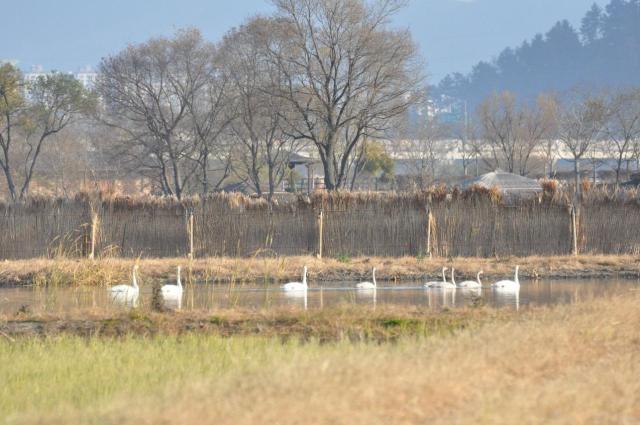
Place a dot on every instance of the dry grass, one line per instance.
(65, 271)
(575, 364)
(474, 222)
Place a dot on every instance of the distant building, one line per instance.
(449, 110)
(86, 76)
(36, 72)
(510, 185)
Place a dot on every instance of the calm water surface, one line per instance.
(210, 297)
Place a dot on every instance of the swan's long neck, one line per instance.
(179, 280)
(516, 278)
(134, 280)
(304, 276)
(478, 278)
(374, 278)
(453, 278)
(444, 276)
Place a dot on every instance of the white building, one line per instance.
(36, 72)
(86, 76)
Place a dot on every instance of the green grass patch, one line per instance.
(57, 374)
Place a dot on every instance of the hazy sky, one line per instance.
(453, 34)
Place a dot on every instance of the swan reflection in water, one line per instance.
(124, 299)
(368, 294)
(173, 303)
(297, 295)
(508, 296)
(471, 293)
(441, 297)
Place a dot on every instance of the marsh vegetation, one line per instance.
(573, 363)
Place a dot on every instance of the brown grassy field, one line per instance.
(63, 271)
(572, 364)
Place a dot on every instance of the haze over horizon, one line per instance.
(453, 34)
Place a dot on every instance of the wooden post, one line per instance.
(574, 231)
(94, 235)
(320, 233)
(429, 221)
(191, 255)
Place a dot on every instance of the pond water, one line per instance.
(212, 297)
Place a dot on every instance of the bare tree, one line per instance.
(425, 148)
(548, 146)
(461, 131)
(622, 126)
(514, 132)
(210, 117)
(148, 90)
(53, 102)
(11, 105)
(538, 126)
(476, 146)
(549, 151)
(581, 118)
(346, 74)
(500, 120)
(263, 148)
(72, 164)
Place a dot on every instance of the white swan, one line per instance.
(173, 292)
(508, 284)
(433, 284)
(126, 294)
(297, 286)
(368, 285)
(472, 284)
(442, 285)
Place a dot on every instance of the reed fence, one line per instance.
(326, 225)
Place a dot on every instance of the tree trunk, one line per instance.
(271, 182)
(576, 169)
(330, 172)
(205, 176)
(329, 175)
(27, 179)
(464, 157)
(176, 181)
(10, 184)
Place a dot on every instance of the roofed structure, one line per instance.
(509, 184)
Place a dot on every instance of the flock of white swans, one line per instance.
(128, 294)
(443, 284)
(172, 293)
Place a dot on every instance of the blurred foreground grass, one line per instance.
(577, 364)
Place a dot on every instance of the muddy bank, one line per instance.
(275, 270)
(329, 325)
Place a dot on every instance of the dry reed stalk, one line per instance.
(475, 222)
(110, 271)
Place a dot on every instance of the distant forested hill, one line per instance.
(603, 52)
